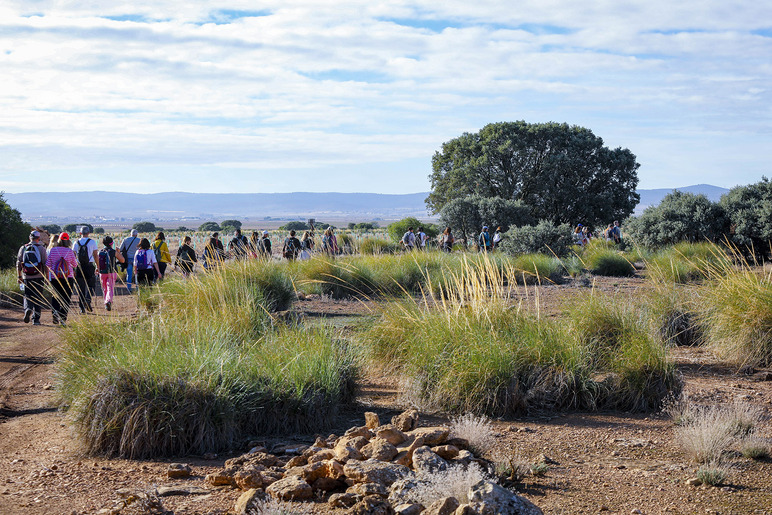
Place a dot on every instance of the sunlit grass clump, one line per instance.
(370, 246)
(685, 262)
(603, 258)
(202, 371)
(736, 311)
(475, 351)
(537, 269)
(672, 312)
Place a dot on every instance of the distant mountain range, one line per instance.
(124, 207)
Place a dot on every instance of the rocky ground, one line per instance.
(598, 462)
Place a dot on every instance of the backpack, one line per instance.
(485, 239)
(326, 243)
(31, 260)
(106, 261)
(83, 254)
(157, 249)
(62, 268)
(406, 238)
(141, 258)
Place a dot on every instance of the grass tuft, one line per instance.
(477, 430)
(712, 474)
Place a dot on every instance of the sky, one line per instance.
(356, 96)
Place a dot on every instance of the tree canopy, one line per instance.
(562, 173)
(145, 227)
(15, 233)
(398, 228)
(749, 210)
(209, 227)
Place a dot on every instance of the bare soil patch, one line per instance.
(613, 462)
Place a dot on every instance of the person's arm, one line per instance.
(19, 265)
(119, 257)
(95, 252)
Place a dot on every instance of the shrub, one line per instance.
(377, 246)
(397, 229)
(209, 227)
(478, 431)
(749, 210)
(713, 474)
(678, 217)
(672, 313)
(754, 448)
(543, 237)
(707, 433)
(15, 234)
(735, 308)
(608, 262)
(145, 227)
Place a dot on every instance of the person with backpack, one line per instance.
(162, 255)
(239, 246)
(186, 257)
(61, 264)
(408, 239)
(128, 249)
(497, 237)
(330, 242)
(306, 246)
(264, 247)
(31, 271)
(447, 240)
(254, 244)
(421, 238)
(85, 277)
(616, 233)
(108, 270)
(291, 247)
(214, 252)
(484, 241)
(145, 264)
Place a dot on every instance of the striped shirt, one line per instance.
(56, 254)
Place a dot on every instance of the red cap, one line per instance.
(64, 236)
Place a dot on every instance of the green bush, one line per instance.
(678, 217)
(537, 268)
(15, 234)
(685, 262)
(397, 229)
(543, 237)
(673, 316)
(600, 259)
(749, 210)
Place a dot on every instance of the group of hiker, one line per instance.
(583, 234)
(486, 242)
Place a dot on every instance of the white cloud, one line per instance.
(310, 85)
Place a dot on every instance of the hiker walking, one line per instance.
(31, 273)
(408, 239)
(61, 265)
(497, 236)
(306, 246)
(616, 233)
(421, 238)
(162, 255)
(239, 246)
(128, 249)
(580, 238)
(264, 246)
(484, 240)
(291, 247)
(108, 270)
(186, 257)
(214, 252)
(447, 240)
(85, 276)
(254, 244)
(145, 264)
(330, 242)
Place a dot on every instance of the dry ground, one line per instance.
(611, 462)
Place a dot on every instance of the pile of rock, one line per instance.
(368, 470)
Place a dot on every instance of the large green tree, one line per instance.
(563, 173)
(15, 233)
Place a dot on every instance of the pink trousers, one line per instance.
(108, 285)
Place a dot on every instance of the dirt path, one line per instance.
(609, 462)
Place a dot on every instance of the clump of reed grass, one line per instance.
(8, 281)
(377, 246)
(754, 448)
(672, 311)
(686, 261)
(735, 308)
(452, 482)
(602, 258)
(536, 269)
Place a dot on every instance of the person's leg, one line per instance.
(34, 299)
(129, 274)
(111, 278)
(91, 279)
(69, 286)
(162, 268)
(57, 298)
(81, 288)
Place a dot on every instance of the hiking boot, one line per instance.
(36, 322)
(109, 306)
(89, 308)
(82, 310)
(27, 316)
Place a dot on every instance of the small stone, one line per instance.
(693, 482)
(178, 470)
(406, 421)
(379, 449)
(635, 511)
(289, 489)
(323, 455)
(209, 456)
(391, 434)
(297, 461)
(346, 500)
(221, 478)
(321, 442)
(446, 506)
(244, 502)
(374, 471)
(365, 489)
(372, 420)
(543, 458)
(346, 453)
(446, 452)
(362, 431)
(496, 499)
(166, 491)
(408, 509)
(427, 462)
(465, 509)
(432, 435)
(372, 505)
(250, 476)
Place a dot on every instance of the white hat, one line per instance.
(265, 233)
